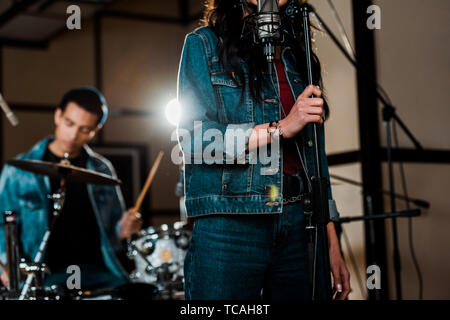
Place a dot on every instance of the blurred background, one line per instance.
(130, 50)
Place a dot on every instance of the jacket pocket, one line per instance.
(236, 179)
(202, 180)
(234, 105)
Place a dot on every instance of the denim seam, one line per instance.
(250, 106)
(227, 196)
(249, 178)
(208, 50)
(273, 213)
(220, 103)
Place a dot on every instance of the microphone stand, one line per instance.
(418, 202)
(320, 216)
(389, 114)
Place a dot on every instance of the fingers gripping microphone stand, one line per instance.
(318, 220)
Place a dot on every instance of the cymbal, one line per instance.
(61, 170)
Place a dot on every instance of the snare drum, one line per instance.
(159, 255)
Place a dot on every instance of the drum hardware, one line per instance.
(66, 173)
(37, 269)
(12, 253)
(46, 293)
(142, 253)
(64, 170)
(131, 291)
(159, 258)
(58, 203)
(160, 250)
(5, 294)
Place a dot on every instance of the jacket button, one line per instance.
(224, 186)
(296, 80)
(310, 143)
(313, 177)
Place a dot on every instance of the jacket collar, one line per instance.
(38, 150)
(287, 58)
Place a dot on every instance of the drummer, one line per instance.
(93, 221)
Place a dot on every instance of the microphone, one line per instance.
(9, 114)
(268, 27)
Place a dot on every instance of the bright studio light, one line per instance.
(173, 112)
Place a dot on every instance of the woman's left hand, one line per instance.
(341, 276)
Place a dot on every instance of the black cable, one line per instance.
(410, 230)
(349, 49)
(354, 264)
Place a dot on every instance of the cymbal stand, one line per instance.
(58, 203)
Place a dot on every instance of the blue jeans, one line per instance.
(248, 257)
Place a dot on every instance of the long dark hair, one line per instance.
(225, 18)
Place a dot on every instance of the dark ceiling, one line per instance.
(36, 22)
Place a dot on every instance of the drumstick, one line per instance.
(144, 190)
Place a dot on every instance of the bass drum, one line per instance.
(159, 255)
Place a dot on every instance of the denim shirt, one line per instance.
(26, 194)
(213, 110)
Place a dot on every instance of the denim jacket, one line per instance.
(26, 194)
(213, 110)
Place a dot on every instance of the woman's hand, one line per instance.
(4, 275)
(341, 276)
(304, 111)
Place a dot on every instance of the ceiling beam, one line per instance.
(17, 8)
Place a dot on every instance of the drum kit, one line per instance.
(158, 252)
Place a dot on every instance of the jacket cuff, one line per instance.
(3, 261)
(235, 148)
(334, 214)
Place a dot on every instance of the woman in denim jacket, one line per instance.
(249, 238)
